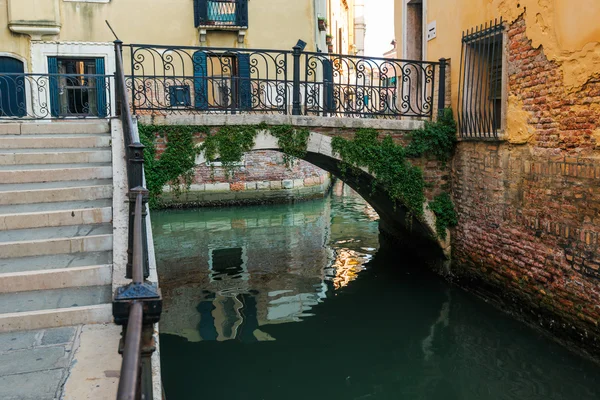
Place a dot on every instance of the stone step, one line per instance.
(28, 193)
(55, 156)
(55, 240)
(32, 173)
(72, 306)
(55, 261)
(94, 275)
(54, 141)
(93, 314)
(53, 127)
(39, 300)
(41, 215)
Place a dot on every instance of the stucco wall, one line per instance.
(273, 24)
(568, 33)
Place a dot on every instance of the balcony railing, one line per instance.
(182, 80)
(221, 13)
(42, 96)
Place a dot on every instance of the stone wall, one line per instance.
(529, 205)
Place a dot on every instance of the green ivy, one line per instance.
(445, 215)
(435, 138)
(228, 145)
(386, 161)
(175, 167)
(292, 142)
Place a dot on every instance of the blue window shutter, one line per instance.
(200, 80)
(12, 89)
(328, 86)
(101, 88)
(200, 12)
(54, 97)
(241, 12)
(245, 83)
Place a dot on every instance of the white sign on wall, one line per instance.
(431, 30)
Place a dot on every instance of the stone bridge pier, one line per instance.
(395, 221)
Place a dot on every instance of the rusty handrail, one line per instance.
(138, 305)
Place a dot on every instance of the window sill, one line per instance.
(209, 27)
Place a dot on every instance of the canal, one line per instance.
(303, 302)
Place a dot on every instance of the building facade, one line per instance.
(526, 96)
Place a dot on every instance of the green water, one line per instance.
(301, 302)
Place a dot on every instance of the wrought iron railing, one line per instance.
(138, 305)
(41, 96)
(221, 13)
(180, 80)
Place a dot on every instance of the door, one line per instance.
(77, 87)
(12, 88)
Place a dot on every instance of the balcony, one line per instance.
(221, 14)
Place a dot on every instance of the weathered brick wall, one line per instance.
(529, 213)
(259, 166)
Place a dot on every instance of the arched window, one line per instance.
(12, 88)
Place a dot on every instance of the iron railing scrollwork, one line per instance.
(28, 96)
(138, 305)
(170, 80)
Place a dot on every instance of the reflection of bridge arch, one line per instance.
(394, 218)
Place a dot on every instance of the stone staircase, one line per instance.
(56, 227)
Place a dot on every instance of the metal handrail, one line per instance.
(136, 306)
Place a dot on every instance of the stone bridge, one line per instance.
(395, 220)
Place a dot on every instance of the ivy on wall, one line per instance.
(435, 139)
(445, 215)
(384, 159)
(175, 166)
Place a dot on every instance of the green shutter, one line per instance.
(245, 83)
(54, 96)
(200, 80)
(101, 88)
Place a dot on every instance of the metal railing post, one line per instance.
(442, 87)
(118, 88)
(298, 48)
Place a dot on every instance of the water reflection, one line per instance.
(373, 324)
(225, 273)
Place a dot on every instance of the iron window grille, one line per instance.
(221, 13)
(481, 81)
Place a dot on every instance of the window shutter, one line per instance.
(200, 81)
(101, 88)
(54, 97)
(200, 12)
(245, 82)
(241, 12)
(329, 105)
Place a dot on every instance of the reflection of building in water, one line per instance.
(225, 273)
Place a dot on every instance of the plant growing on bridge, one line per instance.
(386, 161)
(435, 138)
(445, 215)
(175, 166)
(292, 142)
(228, 145)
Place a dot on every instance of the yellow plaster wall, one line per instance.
(273, 24)
(11, 43)
(568, 31)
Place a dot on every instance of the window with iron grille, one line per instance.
(481, 93)
(221, 13)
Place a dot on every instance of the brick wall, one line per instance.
(530, 213)
(259, 166)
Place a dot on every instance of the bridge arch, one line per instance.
(395, 220)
